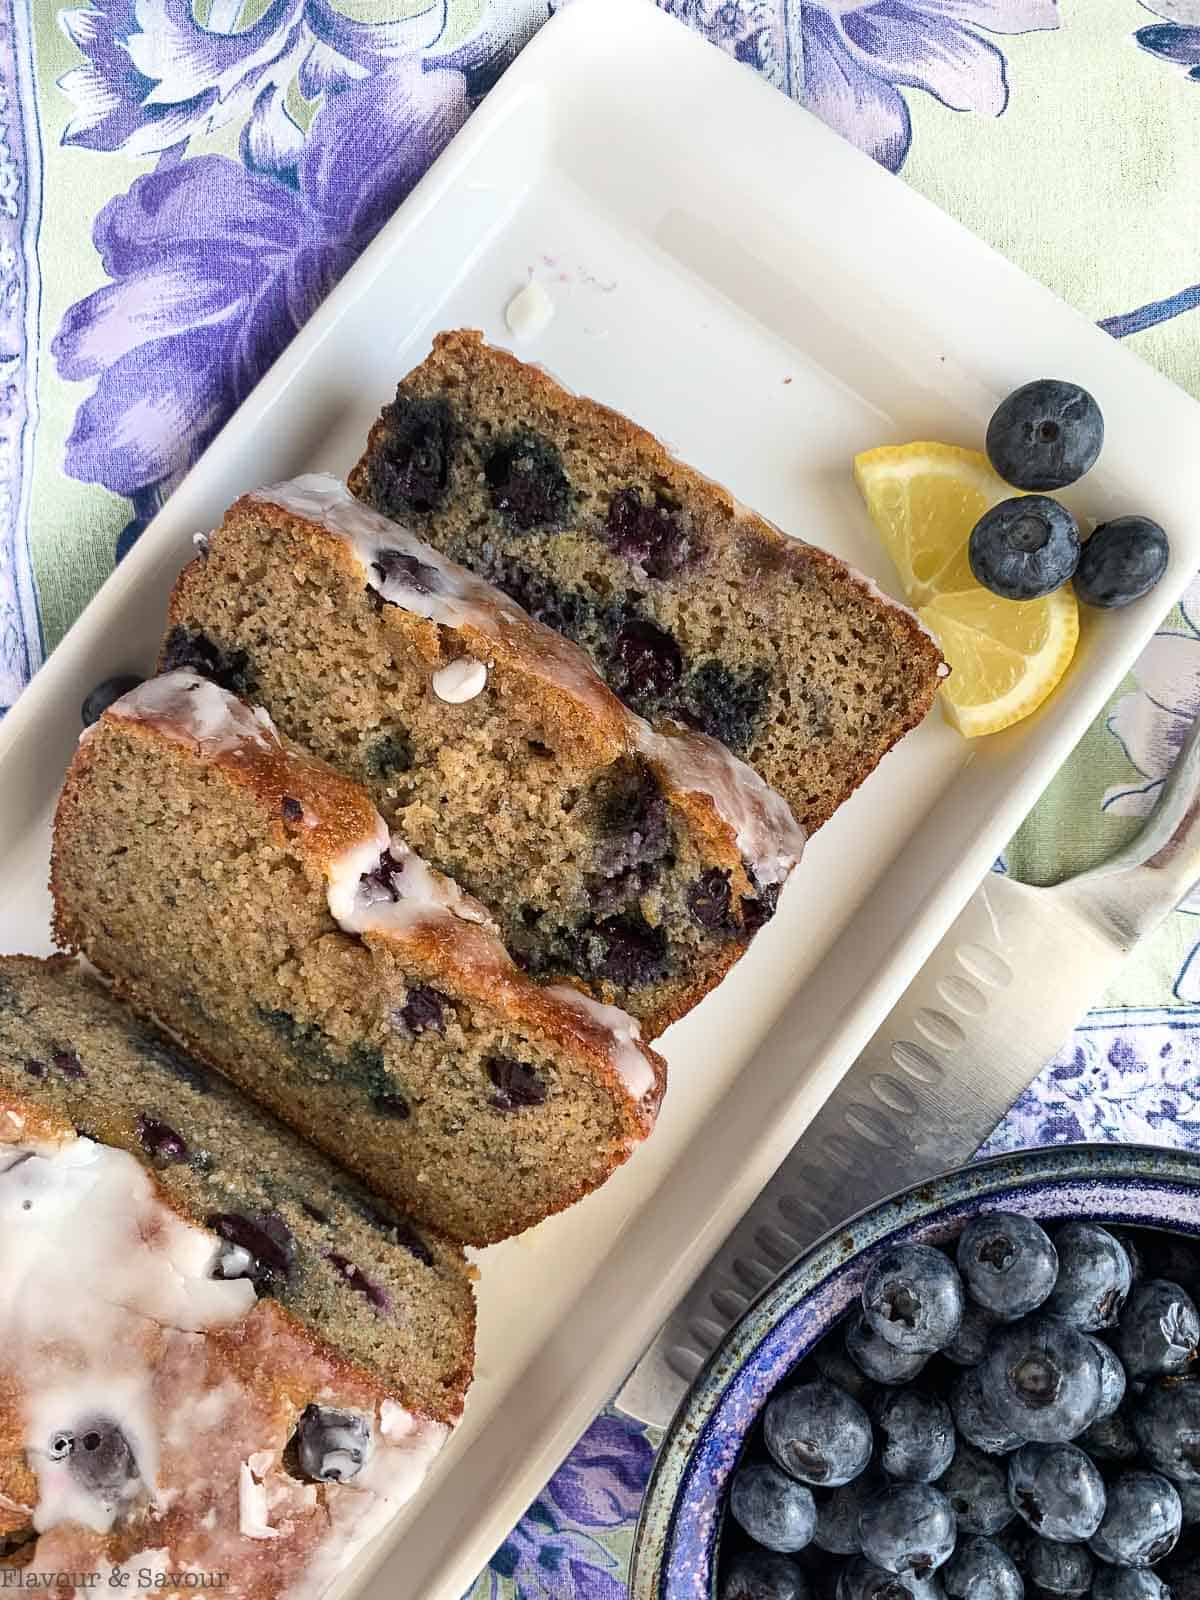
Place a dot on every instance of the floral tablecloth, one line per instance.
(182, 181)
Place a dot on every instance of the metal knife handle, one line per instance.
(1137, 887)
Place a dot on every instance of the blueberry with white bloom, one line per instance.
(976, 1485)
(908, 1528)
(1009, 1263)
(980, 1570)
(876, 1358)
(863, 1580)
(1141, 1523)
(764, 1575)
(913, 1298)
(818, 1434)
(1057, 1489)
(1060, 1569)
(969, 1345)
(1166, 1423)
(1112, 1379)
(776, 1511)
(1111, 1438)
(1158, 1334)
(839, 1511)
(978, 1420)
(1043, 1378)
(916, 1434)
(1094, 1276)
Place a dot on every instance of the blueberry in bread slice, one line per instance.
(634, 861)
(215, 1345)
(252, 899)
(690, 605)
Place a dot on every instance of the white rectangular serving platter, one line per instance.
(744, 283)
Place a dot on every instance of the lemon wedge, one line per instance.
(1006, 656)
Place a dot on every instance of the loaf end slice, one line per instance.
(690, 605)
(217, 1350)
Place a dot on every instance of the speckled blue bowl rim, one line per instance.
(676, 1548)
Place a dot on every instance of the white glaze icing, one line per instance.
(460, 681)
(204, 714)
(628, 1060)
(90, 1255)
(769, 837)
(252, 1505)
(529, 311)
(418, 893)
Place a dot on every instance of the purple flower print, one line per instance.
(550, 1555)
(1176, 40)
(152, 75)
(214, 268)
(857, 58)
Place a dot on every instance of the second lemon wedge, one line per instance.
(1006, 656)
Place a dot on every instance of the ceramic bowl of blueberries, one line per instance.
(985, 1388)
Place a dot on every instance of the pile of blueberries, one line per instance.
(1044, 436)
(1022, 1417)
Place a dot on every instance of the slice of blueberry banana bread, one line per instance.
(251, 898)
(691, 606)
(217, 1350)
(638, 862)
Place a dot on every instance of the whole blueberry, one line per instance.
(1122, 561)
(1111, 1438)
(913, 1298)
(1129, 1583)
(969, 1345)
(1024, 548)
(908, 1528)
(980, 1570)
(763, 1575)
(1057, 1490)
(1060, 1568)
(776, 1511)
(1141, 1523)
(976, 1486)
(916, 1433)
(1166, 1423)
(876, 1358)
(830, 1360)
(818, 1434)
(1112, 1379)
(106, 694)
(1094, 1276)
(1008, 1263)
(861, 1579)
(1043, 1378)
(102, 1460)
(331, 1444)
(838, 1513)
(1158, 1334)
(977, 1419)
(1045, 434)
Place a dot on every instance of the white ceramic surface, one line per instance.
(735, 277)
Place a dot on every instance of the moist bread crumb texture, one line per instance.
(199, 862)
(216, 1348)
(690, 606)
(489, 744)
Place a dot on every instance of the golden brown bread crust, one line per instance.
(591, 729)
(743, 546)
(337, 814)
